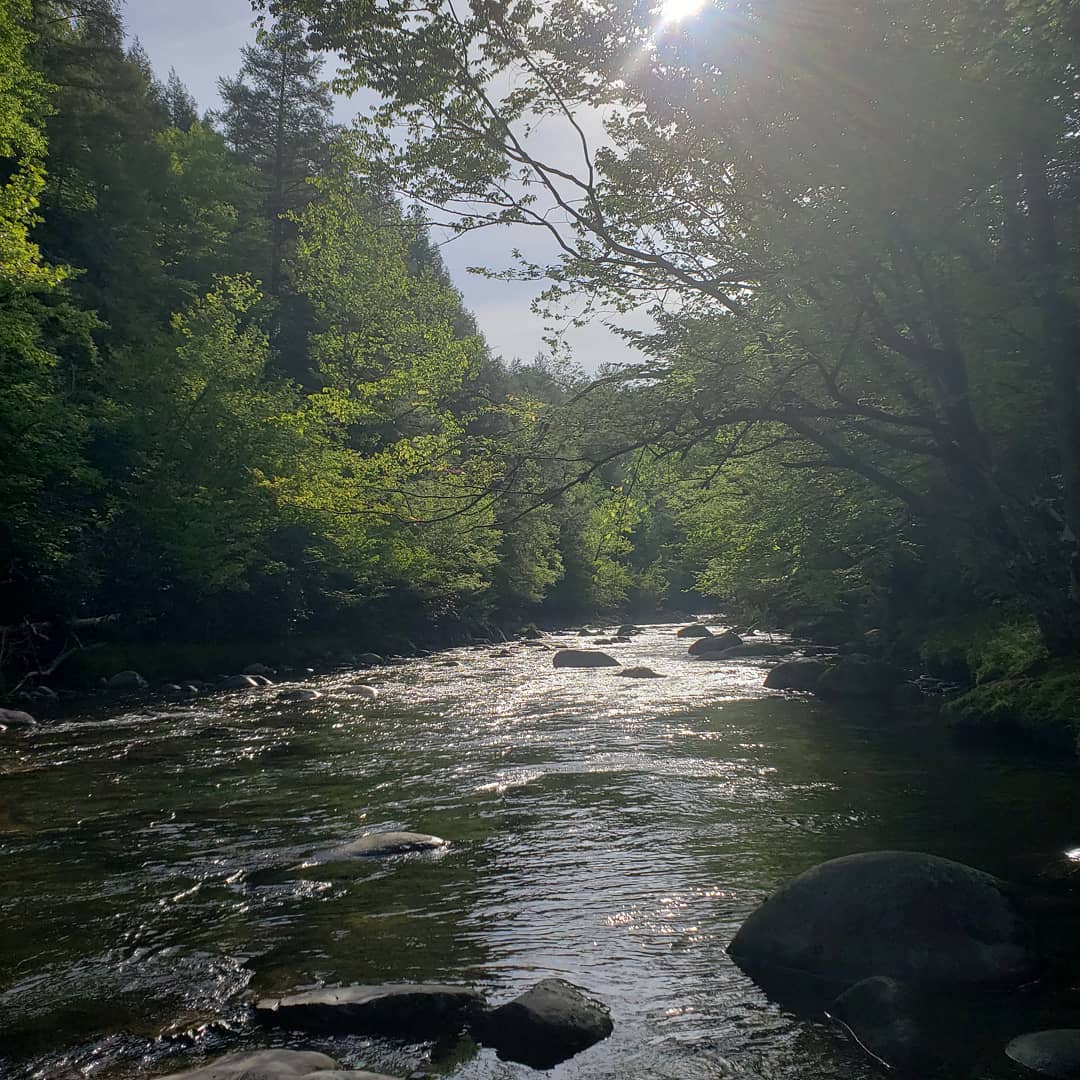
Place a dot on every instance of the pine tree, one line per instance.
(277, 116)
(181, 106)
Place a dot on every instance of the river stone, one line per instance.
(417, 1011)
(258, 669)
(299, 695)
(1048, 1053)
(713, 645)
(261, 1065)
(545, 1025)
(127, 680)
(696, 630)
(238, 682)
(362, 690)
(913, 917)
(369, 659)
(582, 658)
(628, 630)
(859, 675)
(16, 718)
(640, 673)
(377, 844)
(882, 1016)
(760, 648)
(802, 674)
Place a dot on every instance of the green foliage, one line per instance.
(996, 644)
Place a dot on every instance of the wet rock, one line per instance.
(378, 844)
(859, 675)
(299, 695)
(16, 718)
(545, 1025)
(126, 680)
(912, 917)
(758, 648)
(501, 653)
(238, 682)
(415, 1011)
(261, 1065)
(1048, 1053)
(699, 630)
(369, 659)
(583, 658)
(882, 1016)
(262, 680)
(628, 630)
(258, 669)
(449, 663)
(800, 674)
(640, 673)
(715, 644)
(532, 634)
(362, 690)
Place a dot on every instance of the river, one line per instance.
(611, 831)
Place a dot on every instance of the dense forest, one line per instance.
(241, 389)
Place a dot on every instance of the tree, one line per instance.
(277, 117)
(850, 221)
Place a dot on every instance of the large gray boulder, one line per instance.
(802, 674)
(713, 646)
(127, 680)
(16, 718)
(695, 630)
(545, 1025)
(583, 658)
(916, 918)
(261, 1065)
(1048, 1053)
(378, 845)
(413, 1010)
(859, 676)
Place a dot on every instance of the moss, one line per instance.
(1043, 708)
(996, 645)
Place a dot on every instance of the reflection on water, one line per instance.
(611, 831)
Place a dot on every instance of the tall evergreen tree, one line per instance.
(277, 116)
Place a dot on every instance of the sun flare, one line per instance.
(674, 11)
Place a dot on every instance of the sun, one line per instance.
(674, 11)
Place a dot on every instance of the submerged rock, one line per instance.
(757, 648)
(1048, 1053)
(640, 673)
(258, 669)
(126, 680)
(369, 659)
(715, 644)
(859, 675)
(545, 1025)
(238, 682)
(800, 674)
(583, 658)
(377, 845)
(628, 630)
(413, 1010)
(261, 1065)
(882, 1016)
(299, 695)
(912, 917)
(16, 718)
(694, 630)
(362, 690)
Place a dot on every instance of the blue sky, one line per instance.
(202, 39)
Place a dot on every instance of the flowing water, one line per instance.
(610, 831)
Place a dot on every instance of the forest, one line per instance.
(241, 390)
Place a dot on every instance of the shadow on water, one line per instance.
(612, 832)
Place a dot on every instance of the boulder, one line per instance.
(913, 917)
(258, 669)
(501, 653)
(532, 634)
(757, 648)
(300, 694)
(859, 675)
(16, 718)
(377, 845)
(261, 1065)
(238, 682)
(628, 630)
(545, 1025)
(695, 630)
(369, 659)
(1048, 1053)
(715, 644)
(262, 680)
(881, 1014)
(583, 658)
(796, 675)
(126, 680)
(640, 673)
(362, 690)
(416, 1011)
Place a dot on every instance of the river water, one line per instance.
(611, 831)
